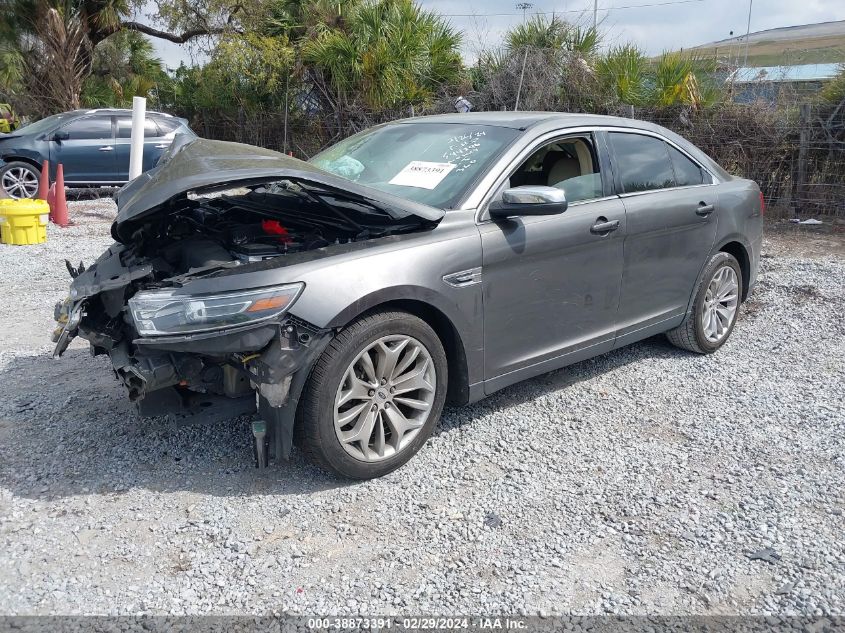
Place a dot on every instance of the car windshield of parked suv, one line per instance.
(432, 163)
(46, 124)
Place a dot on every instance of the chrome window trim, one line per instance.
(481, 196)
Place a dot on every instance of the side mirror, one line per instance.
(61, 136)
(529, 200)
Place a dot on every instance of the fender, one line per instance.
(23, 155)
(466, 322)
(718, 246)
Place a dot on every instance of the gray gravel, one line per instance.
(648, 480)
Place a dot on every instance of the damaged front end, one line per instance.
(212, 355)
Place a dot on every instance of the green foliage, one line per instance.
(834, 90)
(681, 79)
(124, 66)
(246, 71)
(554, 33)
(623, 74)
(385, 54)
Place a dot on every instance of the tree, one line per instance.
(377, 55)
(623, 74)
(124, 66)
(546, 63)
(63, 34)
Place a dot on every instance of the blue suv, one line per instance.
(92, 146)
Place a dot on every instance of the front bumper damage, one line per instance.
(208, 377)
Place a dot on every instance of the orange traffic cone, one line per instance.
(44, 181)
(59, 206)
(51, 199)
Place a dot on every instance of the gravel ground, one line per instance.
(647, 480)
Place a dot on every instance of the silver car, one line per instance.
(342, 301)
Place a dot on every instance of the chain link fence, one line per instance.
(795, 151)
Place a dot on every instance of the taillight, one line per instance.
(762, 204)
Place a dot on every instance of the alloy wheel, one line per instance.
(20, 182)
(385, 398)
(720, 304)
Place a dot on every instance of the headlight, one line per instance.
(161, 312)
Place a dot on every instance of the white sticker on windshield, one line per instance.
(422, 174)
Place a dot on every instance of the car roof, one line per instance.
(523, 120)
(83, 111)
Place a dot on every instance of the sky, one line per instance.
(655, 28)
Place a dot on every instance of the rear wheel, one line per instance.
(715, 308)
(374, 396)
(19, 180)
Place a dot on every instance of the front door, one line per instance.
(672, 208)
(85, 149)
(551, 283)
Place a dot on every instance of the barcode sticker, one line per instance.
(422, 174)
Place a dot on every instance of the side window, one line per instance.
(167, 125)
(569, 163)
(92, 127)
(643, 162)
(124, 127)
(686, 172)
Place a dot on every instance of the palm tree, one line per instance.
(386, 54)
(623, 74)
(62, 35)
(553, 34)
(680, 79)
(124, 66)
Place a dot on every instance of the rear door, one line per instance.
(85, 149)
(155, 144)
(671, 209)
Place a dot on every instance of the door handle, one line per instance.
(705, 209)
(162, 146)
(603, 226)
(106, 148)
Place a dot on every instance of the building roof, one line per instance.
(784, 74)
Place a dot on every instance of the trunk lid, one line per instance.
(202, 164)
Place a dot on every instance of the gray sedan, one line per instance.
(342, 301)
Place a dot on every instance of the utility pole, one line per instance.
(595, 13)
(524, 6)
(747, 32)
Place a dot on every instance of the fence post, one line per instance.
(803, 150)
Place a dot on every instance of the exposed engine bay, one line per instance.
(258, 224)
(215, 373)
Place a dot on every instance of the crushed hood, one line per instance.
(201, 164)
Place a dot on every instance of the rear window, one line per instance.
(124, 128)
(686, 172)
(167, 125)
(643, 162)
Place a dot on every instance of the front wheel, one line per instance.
(374, 396)
(19, 180)
(715, 308)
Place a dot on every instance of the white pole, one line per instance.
(748, 32)
(136, 141)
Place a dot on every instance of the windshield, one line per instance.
(432, 163)
(46, 124)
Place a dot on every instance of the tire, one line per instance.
(346, 390)
(19, 180)
(693, 334)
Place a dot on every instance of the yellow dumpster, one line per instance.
(24, 221)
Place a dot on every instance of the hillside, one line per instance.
(803, 44)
